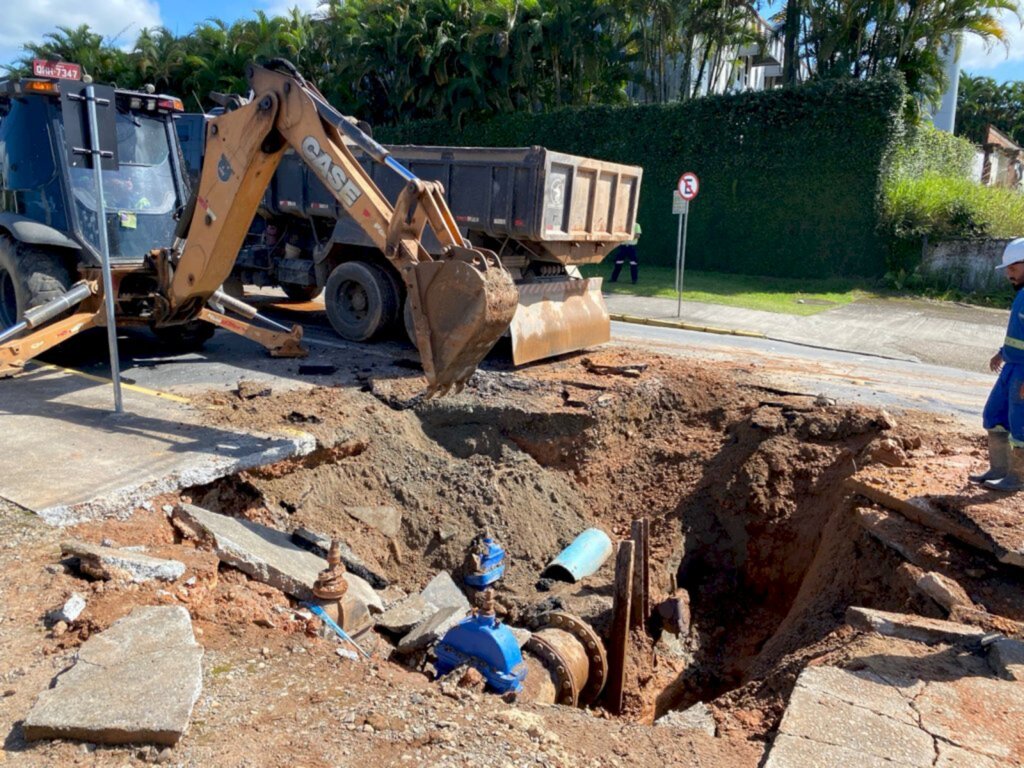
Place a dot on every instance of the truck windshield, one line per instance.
(140, 196)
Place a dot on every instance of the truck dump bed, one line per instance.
(575, 209)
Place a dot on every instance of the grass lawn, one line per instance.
(791, 296)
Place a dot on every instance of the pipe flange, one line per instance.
(557, 666)
(592, 645)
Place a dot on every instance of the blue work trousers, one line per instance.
(1005, 406)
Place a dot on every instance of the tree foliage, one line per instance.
(867, 38)
(981, 102)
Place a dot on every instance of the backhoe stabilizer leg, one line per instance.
(278, 343)
(14, 354)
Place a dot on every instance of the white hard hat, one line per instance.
(1013, 253)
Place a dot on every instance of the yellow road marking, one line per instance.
(104, 380)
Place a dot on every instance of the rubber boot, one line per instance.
(1014, 479)
(998, 457)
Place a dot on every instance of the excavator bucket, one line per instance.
(466, 302)
(557, 317)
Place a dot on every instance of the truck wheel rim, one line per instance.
(353, 300)
(8, 300)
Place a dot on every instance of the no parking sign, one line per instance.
(686, 190)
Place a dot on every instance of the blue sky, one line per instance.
(121, 20)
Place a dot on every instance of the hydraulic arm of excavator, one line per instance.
(460, 302)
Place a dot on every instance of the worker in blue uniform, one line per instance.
(1004, 412)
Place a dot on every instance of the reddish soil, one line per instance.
(749, 513)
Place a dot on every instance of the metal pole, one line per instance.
(682, 258)
(108, 283)
(679, 271)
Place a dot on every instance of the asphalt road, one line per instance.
(864, 378)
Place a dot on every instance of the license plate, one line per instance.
(61, 70)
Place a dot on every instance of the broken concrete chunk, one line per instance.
(406, 614)
(822, 715)
(318, 545)
(1006, 658)
(266, 554)
(944, 591)
(362, 591)
(71, 609)
(120, 564)
(387, 520)
(916, 628)
(696, 718)
(430, 631)
(443, 592)
(134, 682)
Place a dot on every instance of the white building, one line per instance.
(755, 66)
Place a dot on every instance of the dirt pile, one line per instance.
(745, 488)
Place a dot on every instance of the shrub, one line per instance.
(928, 193)
(790, 178)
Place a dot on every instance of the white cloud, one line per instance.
(282, 7)
(119, 21)
(977, 56)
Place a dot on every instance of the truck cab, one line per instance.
(49, 213)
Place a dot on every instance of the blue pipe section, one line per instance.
(582, 558)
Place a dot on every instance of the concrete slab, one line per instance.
(430, 631)
(978, 714)
(121, 564)
(405, 614)
(935, 493)
(61, 427)
(135, 682)
(818, 716)
(319, 544)
(266, 554)
(899, 707)
(797, 752)
(917, 628)
(443, 592)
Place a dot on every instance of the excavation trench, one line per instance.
(744, 490)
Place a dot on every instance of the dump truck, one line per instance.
(171, 249)
(543, 213)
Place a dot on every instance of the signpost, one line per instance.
(685, 191)
(99, 108)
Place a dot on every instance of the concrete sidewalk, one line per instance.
(66, 456)
(935, 332)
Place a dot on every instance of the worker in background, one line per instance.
(1004, 412)
(628, 249)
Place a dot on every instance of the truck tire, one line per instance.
(185, 338)
(28, 277)
(362, 300)
(296, 292)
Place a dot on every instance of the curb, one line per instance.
(679, 325)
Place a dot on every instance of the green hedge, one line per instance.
(790, 178)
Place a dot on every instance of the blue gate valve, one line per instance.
(481, 640)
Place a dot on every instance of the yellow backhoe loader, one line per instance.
(460, 300)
